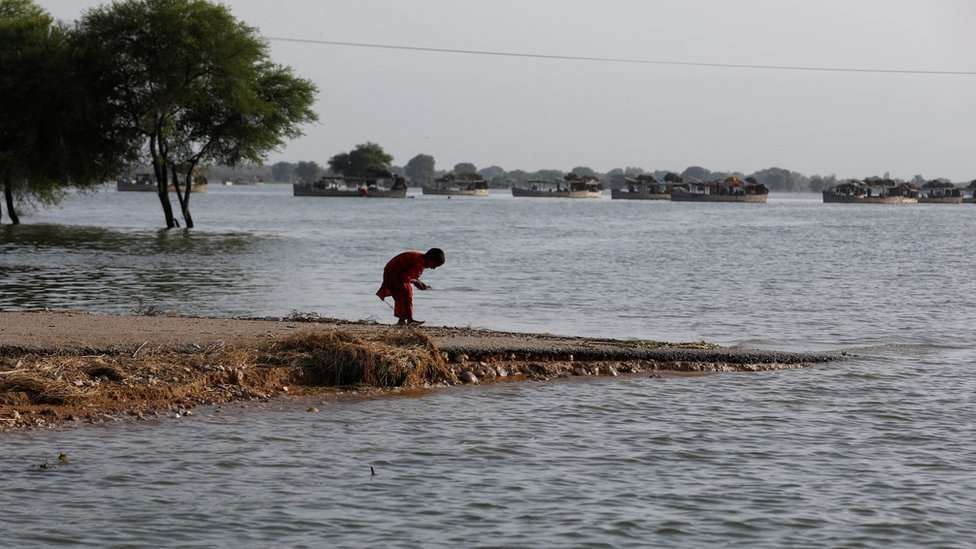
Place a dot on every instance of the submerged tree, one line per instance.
(420, 169)
(584, 171)
(781, 179)
(465, 168)
(55, 131)
(24, 29)
(283, 172)
(696, 172)
(307, 171)
(492, 172)
(196, 86)
(365, 160)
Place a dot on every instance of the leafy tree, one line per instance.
(307, 171)
(548, 174)
(819, 183)
(420, 169)
(283, 171)
(781, 179)
(195, 85)
(365, 160)
(616, 178)
(696, 172)
(517, 176)
(492, 172)
(465, 167)
(53, 130)
(584, 171)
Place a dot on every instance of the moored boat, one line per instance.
(972, 193)
(643, 187)
(353, 187)
(939, 191)
(458, 185)
(144, 182)
(871, 191)
(730, 189)
(572, 186)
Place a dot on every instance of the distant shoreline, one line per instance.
(60, 368)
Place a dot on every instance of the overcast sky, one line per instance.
(532, 113)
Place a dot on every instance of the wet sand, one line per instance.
(58, 367)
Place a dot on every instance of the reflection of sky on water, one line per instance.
(117, 271)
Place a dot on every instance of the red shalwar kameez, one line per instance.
(398, 277)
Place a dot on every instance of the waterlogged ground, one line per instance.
(873, 452)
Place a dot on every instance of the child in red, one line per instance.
(401, 275)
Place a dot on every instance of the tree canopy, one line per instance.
(194, 85)
(782, 179)
(492, 172)
(465, 168)
(54, 131)
(584, 171)
(283, 172)
(307, 171)
(420, 169)
(367, 159)
(696, 172)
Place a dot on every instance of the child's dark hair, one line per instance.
(436, 255)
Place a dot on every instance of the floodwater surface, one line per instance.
(873, 452)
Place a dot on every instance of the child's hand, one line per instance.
(421, 285)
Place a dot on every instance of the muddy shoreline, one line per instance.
(60, 368)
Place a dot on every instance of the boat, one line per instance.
(468, 184)
(643, 187)
(243, 182)
(144, 182)
(572, 186)
(730, 189)
(871, 191)
(972, 193)
(940, 192)
(353, 187)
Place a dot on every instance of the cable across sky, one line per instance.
(633, 61)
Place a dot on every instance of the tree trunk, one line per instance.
(8, 193)
(183, 195)
(162, 188)
(186, 196)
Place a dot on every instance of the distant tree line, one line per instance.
(422, 170)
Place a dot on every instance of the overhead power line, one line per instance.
(755, 66)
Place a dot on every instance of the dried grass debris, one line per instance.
(41, 390)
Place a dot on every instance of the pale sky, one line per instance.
(532, 113)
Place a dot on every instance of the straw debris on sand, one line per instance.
(46, 389)
(336, 359)
(24, 388)
(152, 372)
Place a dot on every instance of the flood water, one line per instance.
(876, 451)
